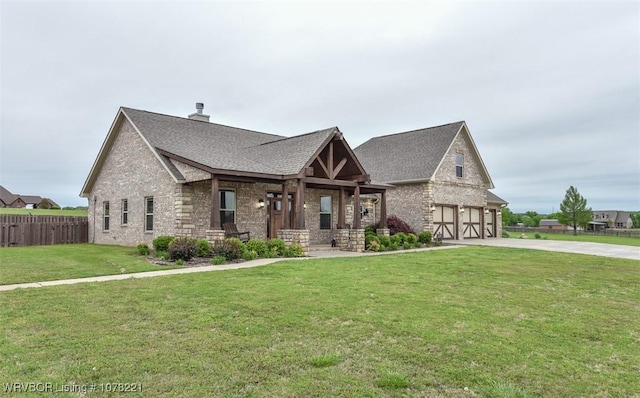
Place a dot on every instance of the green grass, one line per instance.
(43, 212)
(474, 321)
(45, 263)
(613, 240)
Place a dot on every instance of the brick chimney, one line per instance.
(199, 116)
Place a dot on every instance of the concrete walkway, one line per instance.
(596, 249)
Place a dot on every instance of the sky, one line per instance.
(550, 90)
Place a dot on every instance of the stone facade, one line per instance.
(300, 236)
(350, 239)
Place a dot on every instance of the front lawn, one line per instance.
(44, 212)
(613, 240)
(474, 321)
(47, 263)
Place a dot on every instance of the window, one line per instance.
(227, 206)
(124, 219)
(459, 164)
(325, 212)
(105, 216)
(148, 214)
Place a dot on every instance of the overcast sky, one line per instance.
(550, 90)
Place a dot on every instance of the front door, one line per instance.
(275, 214)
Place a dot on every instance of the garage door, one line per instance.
(444, 222)
(491, 224)
(472, 222)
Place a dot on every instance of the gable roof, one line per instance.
(6, 197)
(214, 147)
(493, 198)
(413, 155)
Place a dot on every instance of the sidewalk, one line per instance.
(178, 271)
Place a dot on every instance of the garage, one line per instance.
(472, 223)
(444, 222)
(491, 224)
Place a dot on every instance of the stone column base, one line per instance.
(215, 236)
(300, 236)
(383, 232)
(351, 240)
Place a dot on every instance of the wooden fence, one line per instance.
(22, 230)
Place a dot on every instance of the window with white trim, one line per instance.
(148, 214)
(325, 212)
(105, 216)
(227, 206)
(124, 212)
(459, 164)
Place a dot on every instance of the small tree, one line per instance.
(574, 210)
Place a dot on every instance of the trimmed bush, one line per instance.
(385, 240)
(182, 248)
(162, 242)
(537, 235)
(406, 245)
(397, 225)
(143, 249)
(411, 239)
(505, 234)
(160, 255)
(294, 250)
(249, 255)
(370, 238)
(276, 246)
(257, 245)
(234, 248)
(203, 248)
(393, 246)
(425, 237)
(217, 260)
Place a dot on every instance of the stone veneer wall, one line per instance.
(406, 202)
(131, 172)
(350, 239)
(300, 236)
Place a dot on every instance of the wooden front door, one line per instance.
(472, 223)
(275, 214)
(444, 222)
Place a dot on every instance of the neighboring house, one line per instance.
(551, 224)
(440, 181)
(8, 199)
(603, 219)
(164, 175)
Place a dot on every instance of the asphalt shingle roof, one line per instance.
(224, 147)
(493, 198)
(413, 155)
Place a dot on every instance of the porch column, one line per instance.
(300, 205)
(356, 207)
(341, 215)
(215, 203)
(286, 223)
(383, 210)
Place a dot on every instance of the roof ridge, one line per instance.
(296, 136)
(415, 130)
(208, 123)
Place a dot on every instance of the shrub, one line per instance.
(249, 255)
(374, 245)
(370, 238)
(370, 229)
(412, 239)
(406, 245)
(217, 260)
(505, 234)
(385, 240)
(276, 246)
(143, 249)
(382, 248)
(161, 255)
(396, 239)
(234, 248)
(393, 246)
(425, 237)
(203, 248)
(259, 246)
(162, 242)
(294, 250)
(396, 225)
(537, 236)
(179, 261)
(182, 248)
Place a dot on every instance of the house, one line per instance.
(157, 174)
(440, 182)
(552, 225)
(603, 219)
(8, 199)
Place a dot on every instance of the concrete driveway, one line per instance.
(596, 249)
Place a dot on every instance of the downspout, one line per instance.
(95, 199)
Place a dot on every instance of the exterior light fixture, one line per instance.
(486, 211)
(304, 205)
(432, 208)
(462, 209)
(499, 212)
(260, 203)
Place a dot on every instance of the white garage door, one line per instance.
(472, 222)
(491, 224)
